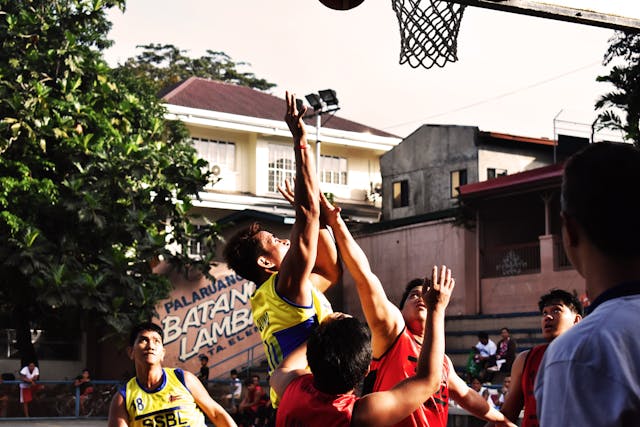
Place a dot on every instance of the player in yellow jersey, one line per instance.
(290, 274)
(159, 396)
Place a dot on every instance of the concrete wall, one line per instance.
(399, 255)
(512, 159)
(426, 158)
(251, 164)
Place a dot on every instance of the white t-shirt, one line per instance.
(29, 374)
(488, 349)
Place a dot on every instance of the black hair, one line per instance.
(413, 283)
(483, 335)
(559, 296)
(141, 327)
(339, 354)
(505, 329)
(599, 190)
(234, 372)
(242, 251)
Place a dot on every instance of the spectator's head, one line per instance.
(204, 359)
(252, 252)
(476, 384)
(483, 337)
(339, 353)
(85, 373)
(505, 333)
(599, 202)
(234, 373)
(506, 383)
(560, 311)
(248, 383)
(255, 379)
(145, 343)
(412, 306)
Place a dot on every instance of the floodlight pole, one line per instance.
(318, 125)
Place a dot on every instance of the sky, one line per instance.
(515, 74)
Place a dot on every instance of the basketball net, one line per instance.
(428, 31)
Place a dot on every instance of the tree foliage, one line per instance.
(165, 65)
(624, 56)
(94, 183)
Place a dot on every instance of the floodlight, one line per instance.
(314, 100)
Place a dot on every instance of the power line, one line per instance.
(494, 98)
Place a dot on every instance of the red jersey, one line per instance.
(528, 382)
(303, 405)
(400, 362)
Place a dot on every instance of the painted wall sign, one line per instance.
(211, 317)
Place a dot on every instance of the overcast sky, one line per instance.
(514, 74)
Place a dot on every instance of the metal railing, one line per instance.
(511, 260)
(560, 259)
(58, 399)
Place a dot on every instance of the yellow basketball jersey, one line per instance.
(171, 404)
(284, 325)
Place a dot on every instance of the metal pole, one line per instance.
(555, 136)
(318, 124)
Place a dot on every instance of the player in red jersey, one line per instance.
(339, 352)
(397, 336)
(560, 311)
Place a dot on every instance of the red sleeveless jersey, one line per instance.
(399, 362)
(528, 382)
(302, 405)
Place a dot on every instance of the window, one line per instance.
(494, 173)
(281, 166)
(333, 170)
(458, 178)
(220, 153)
(195, 246)
(400, 193)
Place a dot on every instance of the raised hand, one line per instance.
(293, 118)
(438, 294)
(287, 191)
(329, 214)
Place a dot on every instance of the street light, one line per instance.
(325, 101)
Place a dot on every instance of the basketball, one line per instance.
(341, 4)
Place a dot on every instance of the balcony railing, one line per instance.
(511, 260)
(560, 259)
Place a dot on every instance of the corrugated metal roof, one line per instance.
(539, 177)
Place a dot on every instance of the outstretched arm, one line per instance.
(210, 407)
(294, 273)
(384, 318)
(327, 270)
(470, 400)
(390, 407)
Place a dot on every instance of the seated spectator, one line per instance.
(505, 353)
(83, 381)
(251, 402)
(498, 398)
(485, 353)
(203, 373)
(232, 399)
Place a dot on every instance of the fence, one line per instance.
(511, 260)
(58, 399)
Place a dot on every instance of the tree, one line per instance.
(625, 77)
(94, 183)
(166, 65)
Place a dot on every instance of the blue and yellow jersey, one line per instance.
(284, 325)
(171, 404)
